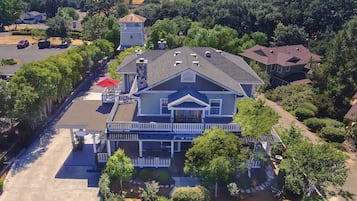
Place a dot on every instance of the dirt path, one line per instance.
(287, 120)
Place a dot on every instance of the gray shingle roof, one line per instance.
(222, 67)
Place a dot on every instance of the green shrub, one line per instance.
(162, 176)
(8, 62)
(145, 174)
(309, 106)
(277, 149)
(75, 34)
(162, 198)
(338, 146)
(333, 134)
(303, 113)
(1, 185)
(315, 124)
(197, 193)
(23, 33)
(333, 123)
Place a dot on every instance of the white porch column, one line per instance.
(268, 148)
(172, 148)
(94, 143)
(140, 148)
(172, 118)
(203, 115)
(108, 148)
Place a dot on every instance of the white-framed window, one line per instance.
(188, 76)
(287, 69)
(272, 68)
(163, 106)
(279, 69)
(215, 107)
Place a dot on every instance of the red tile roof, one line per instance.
(351, 115)
(132, 18)
(290, 55)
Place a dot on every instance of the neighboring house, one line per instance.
(351, 115)
(285, 64)
(172, 96)
(131, 31)
(33, 17)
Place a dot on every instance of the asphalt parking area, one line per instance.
(26, 55)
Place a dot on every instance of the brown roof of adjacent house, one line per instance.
(290, 55)
(132, 18)
(351, 115)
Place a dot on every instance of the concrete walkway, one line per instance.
(43, 173)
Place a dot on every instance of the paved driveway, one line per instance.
(50, 171)
(29, 54)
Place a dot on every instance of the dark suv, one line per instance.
(43, 44)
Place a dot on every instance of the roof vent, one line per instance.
(197, 63)
(297, 49)
(177, 53)
(177, 63)
(219, 51)
(138, 52)
(208, 54)
(141, 59)
(194, 55)
(271, 51)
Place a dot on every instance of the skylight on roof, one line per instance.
(260, 52)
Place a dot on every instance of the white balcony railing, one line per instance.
(169, 127)
(151, 162)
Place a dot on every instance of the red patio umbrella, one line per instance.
(107, 82)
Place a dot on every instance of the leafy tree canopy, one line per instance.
(307, 165)
(10, 11)
(254, 118)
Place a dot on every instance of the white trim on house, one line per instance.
(187, 98)
(279, 69)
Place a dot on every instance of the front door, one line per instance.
(188, 116)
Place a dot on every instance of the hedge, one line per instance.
(162, 176)
(333, 134)
(197, 193)
(315, 124)
(309, 106)
(303, 113)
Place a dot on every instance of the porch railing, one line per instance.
(188, 128)
(151, 162)
(102, 157)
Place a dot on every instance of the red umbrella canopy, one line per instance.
(108, 82)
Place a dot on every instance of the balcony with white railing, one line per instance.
(155, 162)
(189, 128)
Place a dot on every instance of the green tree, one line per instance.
(307, 166)
(336, 78)
(289, 35)
(254, 118)
(215, 156)
(95, 27)
(10, 11)
(5, 99)
(105, 7)
(119, 167)
(70, 12)
(58, 26)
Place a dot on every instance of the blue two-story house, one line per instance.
(172, 96)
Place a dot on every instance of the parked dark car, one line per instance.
(64, 44)
(22, 44)
(43, 44)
